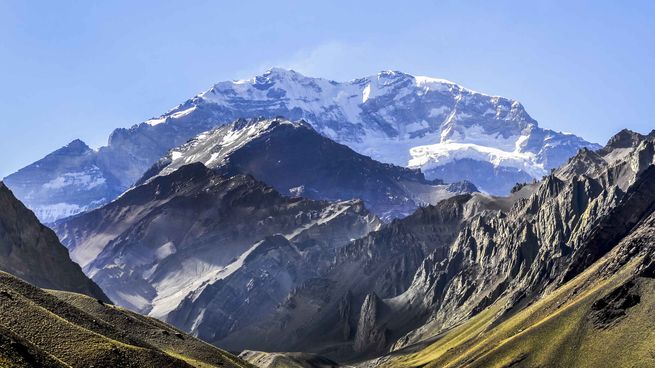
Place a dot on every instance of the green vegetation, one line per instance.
(62, 329)
(559, 330)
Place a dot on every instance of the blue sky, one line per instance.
(79, 69)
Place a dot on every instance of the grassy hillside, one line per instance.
(61, 329)
(589, 322)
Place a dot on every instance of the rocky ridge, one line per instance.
(296, 160)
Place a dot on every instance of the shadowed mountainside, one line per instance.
(32, 251)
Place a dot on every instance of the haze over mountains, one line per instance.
(167, 240)
(450, 132)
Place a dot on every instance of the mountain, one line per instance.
(199, 235)
(570, 263)
(448, 131)
(296, 160)
(482, 281)
(32, 251)
(323, 315)
(41, 328)
(398, 118)
(68, 181)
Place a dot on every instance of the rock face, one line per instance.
(610, 309)
(296, 160)
(329, 312)
(560, 228)
(32, 251)
(219, 251)
(438, 268)
(420, 122)
(370, 336)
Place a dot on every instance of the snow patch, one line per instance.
(170, 115)
(136, 300)
(431, 156)
(155, 121)
(165, 250)
(84, 179)
(366, 93)
(179, 114)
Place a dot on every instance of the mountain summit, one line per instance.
(448, 131)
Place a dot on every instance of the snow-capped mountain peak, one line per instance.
(448, 131)
(224, 141)
(407, 120)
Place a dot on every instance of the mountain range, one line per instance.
(464, 275)
(449, 132)
(452, 283)
(389, 221)
(169, 239)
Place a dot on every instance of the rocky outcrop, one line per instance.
(611, 308)
(606, 309)
(371, 337)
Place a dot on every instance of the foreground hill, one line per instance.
(41, 328)
(448, 131)
(296, 160)
(32, 251)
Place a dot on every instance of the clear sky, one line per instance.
(79, 69)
